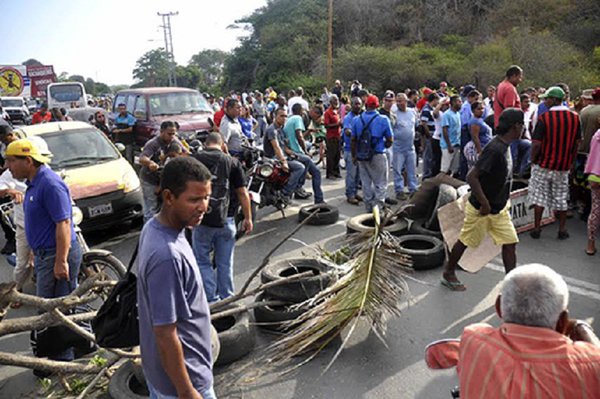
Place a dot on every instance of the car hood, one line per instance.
(191, 121)
(94, 180)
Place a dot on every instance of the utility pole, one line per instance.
(330, 45)
(166, 18)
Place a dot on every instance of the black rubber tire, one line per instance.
(236, 337)
(299, 290)
(215, 344)
(446, 195)
(271, 317)
(426, 252)
(417, 227)
(365, 223)
(109, 264)
(327, 214)
(124, 383)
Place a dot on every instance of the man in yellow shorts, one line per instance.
(487, 211)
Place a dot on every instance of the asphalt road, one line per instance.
(367, 368)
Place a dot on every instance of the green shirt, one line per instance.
(294, 123)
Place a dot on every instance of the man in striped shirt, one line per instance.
(538, 352)
(555, 142)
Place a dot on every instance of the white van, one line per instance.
(66, 94)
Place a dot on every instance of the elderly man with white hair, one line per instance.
(538, 352)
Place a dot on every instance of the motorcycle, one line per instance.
(443, 354)
(266, 178)
(94, 261)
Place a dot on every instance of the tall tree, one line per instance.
(211, 62)
(32, 62)
(152, 69)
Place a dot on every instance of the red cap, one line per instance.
(427, 91)
(372, 102)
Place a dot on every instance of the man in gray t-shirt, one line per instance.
(230, 127)
(174, 317)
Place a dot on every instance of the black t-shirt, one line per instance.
(103, 128)
(495, 175)
(274, 133)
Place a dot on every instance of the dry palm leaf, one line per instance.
(371, 285)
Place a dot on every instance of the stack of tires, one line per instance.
(366, 223)
(285, 297)
(237, 336)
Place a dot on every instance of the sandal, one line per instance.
(453, 285)
(590, 253)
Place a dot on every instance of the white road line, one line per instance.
(576, 286)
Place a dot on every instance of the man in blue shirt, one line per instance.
(465, 135)
(352, 176)
(404, 148)
(48, 224)
(174, 316)
(373, 172)
(450, 141)
(123, 131)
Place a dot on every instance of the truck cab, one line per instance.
(16, 108)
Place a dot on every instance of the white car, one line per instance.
(16, 108)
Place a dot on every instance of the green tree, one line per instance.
(152, 69)
(188, 76)
(32, 62)
(211, 63)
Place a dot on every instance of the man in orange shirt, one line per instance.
(538, 352)
(506, 94)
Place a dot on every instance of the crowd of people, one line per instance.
(536, 134)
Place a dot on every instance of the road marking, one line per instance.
(576, 286)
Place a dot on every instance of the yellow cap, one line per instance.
(25, 148)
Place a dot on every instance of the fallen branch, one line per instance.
(21, 324)
(53, 366)
(95, 380)
(240, 309)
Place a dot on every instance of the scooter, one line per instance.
(443, 354)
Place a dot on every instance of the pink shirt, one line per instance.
(593, 162)
(506, 97)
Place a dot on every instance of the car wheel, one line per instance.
(426, 252)
(236, 337)
(299, 290)
(327, 214)
(365, 223)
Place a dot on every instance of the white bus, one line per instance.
(66, 94)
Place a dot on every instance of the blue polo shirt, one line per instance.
(380, 128)
(128, 120)
(348, 121)
(47, 202)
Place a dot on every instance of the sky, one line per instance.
(102, 39)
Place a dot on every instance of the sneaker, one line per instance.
(358, 197)
(301, 194)
(401, 196)
(9, 248)
(353, 201)
(391, 201)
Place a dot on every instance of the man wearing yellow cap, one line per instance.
(48, 224)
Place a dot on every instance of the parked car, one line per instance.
(153, 105)
(16, 108)
(102, 183)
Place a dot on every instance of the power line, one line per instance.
(166, 25)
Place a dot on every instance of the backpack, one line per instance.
(364, 146)
(219, 165)
(116, 324)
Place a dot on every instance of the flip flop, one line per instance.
(592, 253)
(453, 285)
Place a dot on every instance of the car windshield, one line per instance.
(12, 103)
(79, 147)
(178, 103)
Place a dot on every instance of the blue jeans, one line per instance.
(208, 393)
(352, 176)
(521, 155)
(315, 173)
(46, 286)
(221, 240)
(374, 177)
(150, 200)
(405, 159)
(297, 170)
(428, 159)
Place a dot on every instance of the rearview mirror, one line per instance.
(120, 147)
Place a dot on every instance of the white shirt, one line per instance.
(530, 117)
(7, 181)
(489, 110)
(437, 133)
(297, 100)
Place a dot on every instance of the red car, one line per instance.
(153, 105)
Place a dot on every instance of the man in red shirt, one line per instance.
(333, 124)
(42, 115)
(537, 352)
(506, 93)
(555, 142)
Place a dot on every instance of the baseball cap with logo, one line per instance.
(389, 95)
(27, 148)
(554, 92)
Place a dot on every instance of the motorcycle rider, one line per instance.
(275, 146)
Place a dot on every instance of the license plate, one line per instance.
(98, 210)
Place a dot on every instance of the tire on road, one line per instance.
(125, 384)
(299, 290)
(446, 195)
(418, 227)
(426, 252)
(327, 214)
(272, 317)
(236, 337)
(365, 223)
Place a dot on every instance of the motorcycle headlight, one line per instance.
(77, 216)
(130, 181)
(265, 171)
